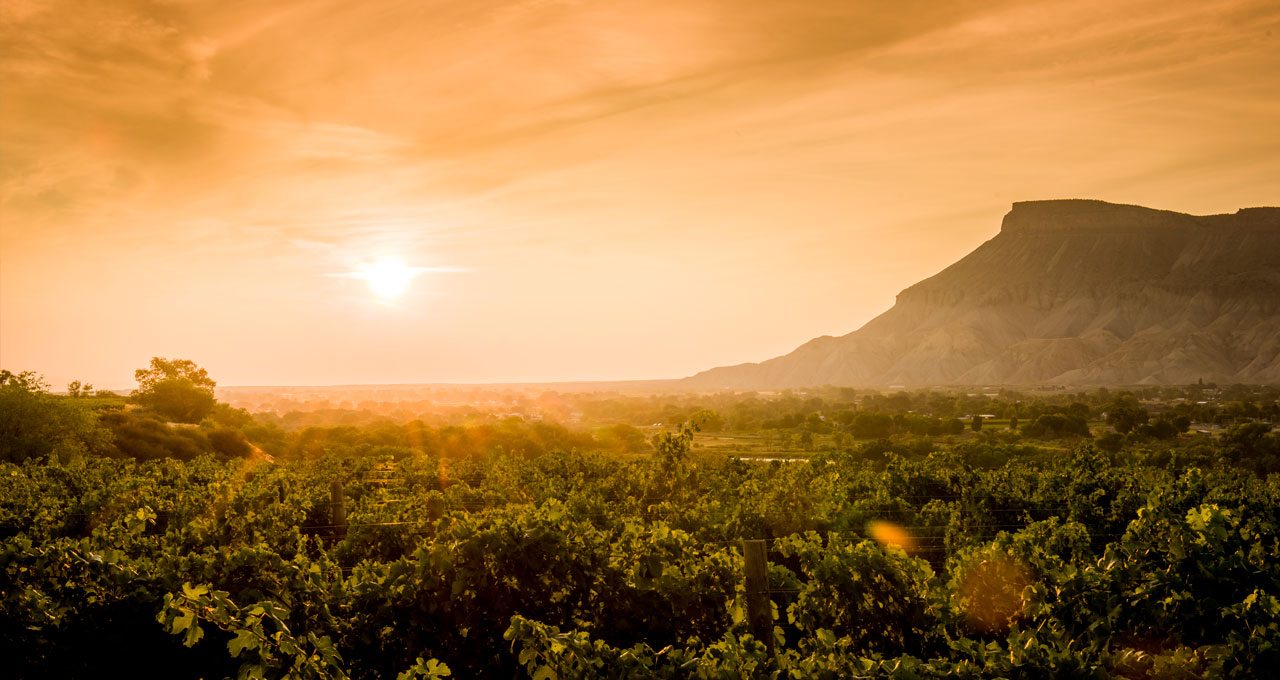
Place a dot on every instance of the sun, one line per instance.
(387, 277)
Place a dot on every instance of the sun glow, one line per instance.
(388, 277)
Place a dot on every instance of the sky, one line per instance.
(569, 189)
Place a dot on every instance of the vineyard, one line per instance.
(880, 563)
(665, 340)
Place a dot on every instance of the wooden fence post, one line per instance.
(337, 509)
(759, 606)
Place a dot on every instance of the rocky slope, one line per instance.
(1072, 292)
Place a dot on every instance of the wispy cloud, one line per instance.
(753, 150)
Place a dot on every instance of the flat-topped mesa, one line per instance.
(1077, 215)
(1255, 219)
(1078, 292)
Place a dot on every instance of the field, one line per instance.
(508, 546)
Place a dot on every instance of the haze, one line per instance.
(569, 190)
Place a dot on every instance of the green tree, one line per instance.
(1160, 428)
(806, 440)
(872, 425)
(625, 437)
(176, 389)
(1126, 414)
(34, 423)
(976, 424)
(707, 420)
(838, 441)
(1056, 425)
(1247, 440)
(26, 380)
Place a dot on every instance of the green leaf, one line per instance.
(181, 622)
(194, 633)
(242, 641)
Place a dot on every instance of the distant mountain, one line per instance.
(1073, 292)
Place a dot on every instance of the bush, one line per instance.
(229, 443)
(146, 437)
(877, 596)
(1056, 425)
(35, 424)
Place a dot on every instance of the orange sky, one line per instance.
(629, 189)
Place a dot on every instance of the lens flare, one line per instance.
(890, 534)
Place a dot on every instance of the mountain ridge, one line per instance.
(1069, 291)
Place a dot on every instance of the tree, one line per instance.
(838, 440)
(976, 424)
(1160, 428)
(872, 425)
(170, 369)
(34, 423)
(77, 389)
(176, 389)
(707, 420)
(1249, 439)
(26, 380)
(625, 437)
(1056, 425)
(1111, 442)
(1125, 415)
(806, 440)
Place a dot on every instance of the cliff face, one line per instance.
(1070, 292)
